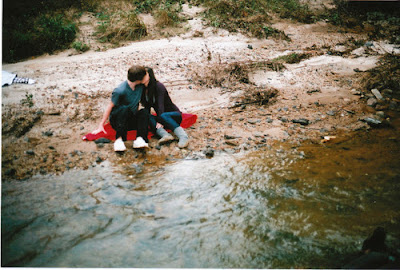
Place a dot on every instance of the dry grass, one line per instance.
(121, 26)
(234, 77)
(385, 76)
(163, 18)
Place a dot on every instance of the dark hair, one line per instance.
(136, 73)
(151, 91)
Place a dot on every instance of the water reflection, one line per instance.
(276, 208)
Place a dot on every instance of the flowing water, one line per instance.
(279, 207)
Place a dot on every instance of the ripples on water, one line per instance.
(276, 208)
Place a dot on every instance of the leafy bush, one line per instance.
(145, 6)
(41, 28)
(253, 16)
(48, 34)
(81, 47)
(168, 14)
(380, 20)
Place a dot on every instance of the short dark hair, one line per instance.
(136, 73)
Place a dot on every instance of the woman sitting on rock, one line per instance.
(156, 96)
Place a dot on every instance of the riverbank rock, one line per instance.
(377, 94)
(301, 121)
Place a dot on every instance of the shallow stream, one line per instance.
(280, 207)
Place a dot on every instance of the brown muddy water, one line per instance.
(280, 207)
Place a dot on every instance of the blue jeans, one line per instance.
(170, 120)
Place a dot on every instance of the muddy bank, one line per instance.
(43, 124)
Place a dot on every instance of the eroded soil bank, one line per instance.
(319, 97)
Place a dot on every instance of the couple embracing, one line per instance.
(124, 114)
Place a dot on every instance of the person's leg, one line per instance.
(143, 119)
(152, 123)
(118, 120)
(171, 120)
(161, 132)
(140, 122)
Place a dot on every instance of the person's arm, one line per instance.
(104, 119)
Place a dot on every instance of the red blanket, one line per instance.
(187, 121)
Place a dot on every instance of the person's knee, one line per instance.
(143, 114)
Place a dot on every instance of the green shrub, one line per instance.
(28, 100)
(45, 34)
(145, 6)
(35, 27)
(252, 16)
(379, 20)
(168, 14)
(80, 47)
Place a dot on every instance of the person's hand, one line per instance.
(158, 125)
(99, 129)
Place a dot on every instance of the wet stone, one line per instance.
(372, 121)
(48, 133)
(102, 140)
(30, 152)
(331, 113)
(253, 121)
(380, 114)
(284, 119)
(313, 91)
(258, 134)
(301, 121)
(232, 143)
(100, 145)
(377, 94)
(372, 102)
(230, 137)
(209, 153)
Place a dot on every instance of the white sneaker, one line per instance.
(140, 143)
(119, 145)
